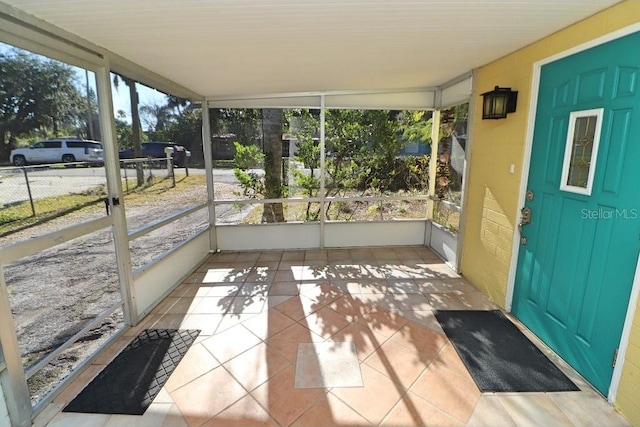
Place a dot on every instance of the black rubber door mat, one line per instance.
(132, 380)
(499, 357)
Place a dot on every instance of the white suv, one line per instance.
(57, 150)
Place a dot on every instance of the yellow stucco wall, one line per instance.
(493, 190)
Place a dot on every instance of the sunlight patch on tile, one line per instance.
(327, 365)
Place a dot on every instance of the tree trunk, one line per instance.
(135, 128)
(272, 121)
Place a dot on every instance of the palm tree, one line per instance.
(135, 122)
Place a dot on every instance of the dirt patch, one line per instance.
(57, 292)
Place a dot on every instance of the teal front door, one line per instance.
(578, 253)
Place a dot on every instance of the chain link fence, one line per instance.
(37, 193)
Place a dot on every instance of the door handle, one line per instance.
(525, 218)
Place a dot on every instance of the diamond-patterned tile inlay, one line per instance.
(327, 365)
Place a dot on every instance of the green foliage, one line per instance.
(249, 157)
(417, 126)
(38, 96)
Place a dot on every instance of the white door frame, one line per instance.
(526, 164)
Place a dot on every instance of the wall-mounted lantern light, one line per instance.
(498, 103)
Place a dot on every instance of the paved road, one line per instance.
(47, 182)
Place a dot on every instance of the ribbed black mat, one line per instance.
(132, 380)
(498, 356)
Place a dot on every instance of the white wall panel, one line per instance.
(268, 236)
(156, 281)
(391, 233)
(444, 243)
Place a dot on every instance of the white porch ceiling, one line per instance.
(249, 47)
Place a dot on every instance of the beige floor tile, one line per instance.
(213, 305)
(268, 324)
(292, 256)
(223, 257)
(347, 286)
(284, 288)
(196, 362)
(222, 290)
(461, 286)
(298, 307)
(330, 412)
(225, 275)
(274, 301)
(246, 412)
(313, 272)
(365, 340)
(405, 302)
(165, 305)
(489, 412)
(69, 419)
(477, 301)
(254, 289)
(588, 409)
(77, 385)
(338, 254)
(206, 323)
(184, 305)
(415, 411)
(47, 414)
(163, 396)
(247, 256)
(247, 305)
(441, 271)
(261, 275)
(375, 399)
(401, 365)
(285, 275)
(452, 393)
(420, 340)
(168, 321)
(424, 318)
(448, 357)
(372, 270)
(341, 271)
(174, 418)
(256, 365)
(448, 301)
(402, 286)
(152, 417)
(362, 254)
(324, 322)
(382, 321)
(350, 306)
(270, 256)
(534, 409)
(321, 292)
(393, 269)
(230, 343)
(327, 365)
(315, 254)
(207, 396)
(230, 321)
(286, 341)
(432, 286)
(265, 266)
(282, 401)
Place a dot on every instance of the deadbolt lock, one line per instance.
(529, 195)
